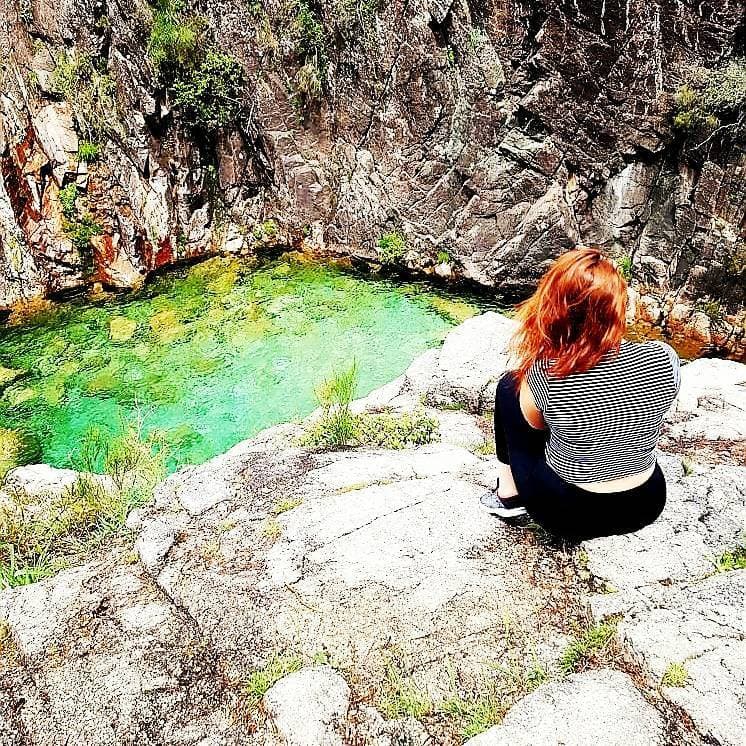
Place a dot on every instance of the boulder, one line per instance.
(466, 369)
(38, 482)
(711, 402)
(308, 708)
(596, 707)
(56, 132)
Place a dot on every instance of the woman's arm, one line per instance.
(530, 411)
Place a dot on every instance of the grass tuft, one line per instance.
(675, 675)
(583, 650)
(401, 697)
(338, 427)
(263, 679)
(89, 151)
(734, 559)
(474, 716)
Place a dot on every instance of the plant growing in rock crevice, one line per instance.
(82, 80)
(478, 711)
(624, 265)
(339, 427)
(175, 37)
(311, 48)
(712, 99)
(391, 247)
(206, 84)
(89, 151)
(675, 675)
(400, 695)
(734, 559)
(259, 682)
(593, 644)
(80, 230)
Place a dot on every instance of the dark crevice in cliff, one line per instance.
(441, 29)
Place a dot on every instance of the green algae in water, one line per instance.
(210, 355)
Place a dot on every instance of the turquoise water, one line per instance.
(209, 355)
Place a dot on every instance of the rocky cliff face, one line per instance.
(489, 136)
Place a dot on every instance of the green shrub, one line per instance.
(725, 92)
(209, 95)
(710, 308)
(68, 195)
(175, 39)
(391, 247)
(443, 257)
(135, 462)
(710, 95)
(88, 151)
(357, 15)
(395, 431)
(204, 82)
(310, 33)
(266, 230)
(689, 114)
(81, 231)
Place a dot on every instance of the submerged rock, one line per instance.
(121, 329)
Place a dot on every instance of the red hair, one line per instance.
(576, 315)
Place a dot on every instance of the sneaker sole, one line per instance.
(505, 512)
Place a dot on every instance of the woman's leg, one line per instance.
(518, 445)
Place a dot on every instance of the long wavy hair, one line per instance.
(575, 317)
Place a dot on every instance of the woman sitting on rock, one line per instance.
(576, 425)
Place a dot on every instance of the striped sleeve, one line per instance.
(536, 379)
(675, 363)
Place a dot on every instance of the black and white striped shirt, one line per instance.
(604, 424)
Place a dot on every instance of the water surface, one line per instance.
(211, 354)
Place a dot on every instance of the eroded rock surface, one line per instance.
(379, 564)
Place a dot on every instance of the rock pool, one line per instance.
(207, 355)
